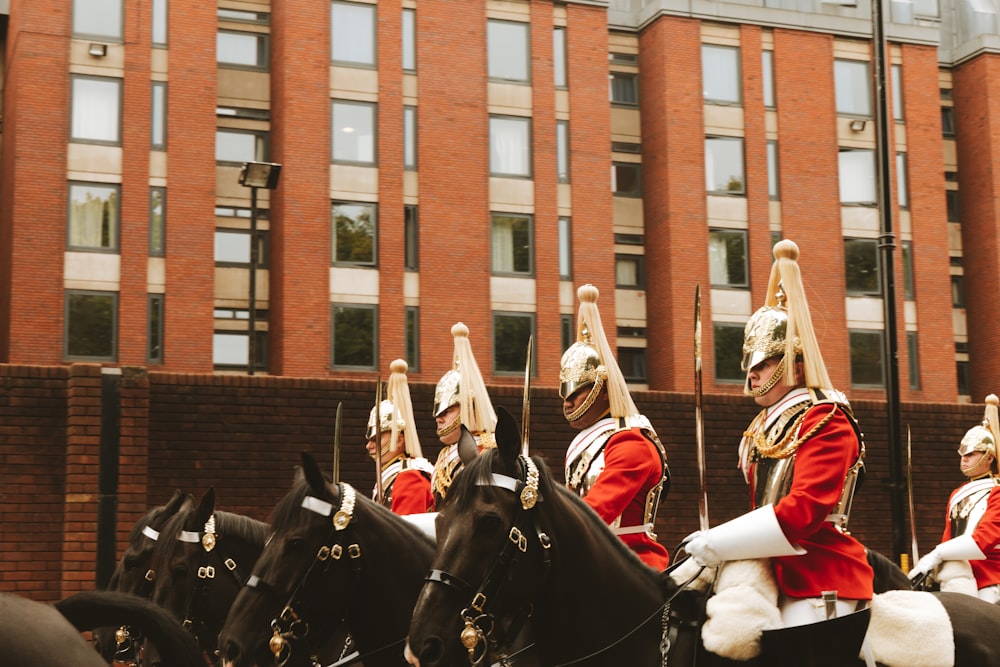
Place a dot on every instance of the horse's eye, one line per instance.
(488, 523)
(294, 545)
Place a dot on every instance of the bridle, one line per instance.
(211, 548)
(481, 632)
(126, 642)
(341, 544)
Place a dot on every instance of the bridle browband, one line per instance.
(340, 544)
(481, 632)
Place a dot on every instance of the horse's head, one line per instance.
(333, 558)
(491, 556)
(201, 561)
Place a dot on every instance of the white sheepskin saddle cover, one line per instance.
(908, 628)
(956, 576)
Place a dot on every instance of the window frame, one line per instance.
(263, 248)
(498, 51)
(565, 240)
(734, 332)
(367, 61)
(373, 207)
(867, 188)
(76, 98)
(723, 234)
(410, 138)
(530, 221)
(85, 8)
(844, 100)
(114, 231)
(854, 284)
(526, 169)
(632, 89)
(158, 116)
(509, 347)
(560, 60)
(562, 151)
(712, 140)
(411, 237)
(155, 309)
(409, 39)
(68, 325)
(858, 364)
(157, 228)
(767, 79)
(262, 50)
(411, 335)
(373, 309)
(637, 260)
(708, 68)
(372, 107)
(618, 168)
(261, 145)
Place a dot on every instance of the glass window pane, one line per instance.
(906, 247)
(861, 267)
(96, 109)
(511, 332)
(562, 150)
(354, 336)
(230, 349)
(98, 18)
(951, 204)
(926, 8)
(559, 56)
(157, 221)
(623, 88)
(902, 188)
(857, 177)
(914, 354)
(773, 191)
(411, 251)
(508, 50)
(626, 179)
(241, 48)
(413, 337)
(354, 132)
(720, 67)
(565, 249)
(897, 92)
(409, 137)
(354, 233)
(629, 271)
(409, 40)
(632, 362)
(158, 139)
(510, 146)
(93, 216)
(236, 146)
(727, 257)
(724, 165)
(728, 344)
(511, 244)
(866, 358)
(232, 247)
(159, 17)
(853, 87)
(768, 71)
(154, 347)
(352, 31)
(91, 321)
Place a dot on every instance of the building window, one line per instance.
(728, 344)
(158, 130)
(352, 33)
(861, 267)
(508, 50)
(958, 291)
(623, 88)
(239, 146)
(857, 176)
(964, 383)
(98, 18)
(511, 244)
(727, 258)
(510, 146)
(853, 87)
(566, 331)
(626, 179)
(93, 216)
(511, 333)
(866, 358)
(354, 228)
(559, 56)
(562, 150)
(724, 165)
(412, 314)
(897, 93)
(96, 104)
(902, 185)
(157, 221)
(948, 121)
(565, 248)
(154, 335)
(773, 189)
(409, 138)
(409, 40)
(232, 247)
(630, 272)
(720, 70)
(354, 132)
(906, 248)
(767, 69)
(355, 336)
(951, 204)
(241, 49)
(913, 353)
(927, 8)
(91, 325)
(159, 18)
(411, 238)
(632, 362)
(232, 350)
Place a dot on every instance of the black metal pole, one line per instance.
(252, 325)
(107, 475)
(887, 247)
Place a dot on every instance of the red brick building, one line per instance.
(478, 161)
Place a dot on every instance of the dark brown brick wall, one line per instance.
(243, 436)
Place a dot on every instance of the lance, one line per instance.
(914, 552)
(336, 444)
(526, 400)
(699, 420)
(378, 440)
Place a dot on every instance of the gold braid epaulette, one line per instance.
(782, 449)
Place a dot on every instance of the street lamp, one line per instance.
(256, 175)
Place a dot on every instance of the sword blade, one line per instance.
(914, 552)
(526, 400)
(699, 419)
(336, 444)
(378, 440)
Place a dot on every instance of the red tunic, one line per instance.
(411, 493)
(987, 537)
(833, 560)
(632, 468)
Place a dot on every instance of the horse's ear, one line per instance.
(206, 506)
(175, 503)
(468, 450)
(508, 436)
(313, 476)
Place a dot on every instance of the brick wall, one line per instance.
(243, 436)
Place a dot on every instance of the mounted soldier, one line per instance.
(802, 457)
(972, 524)
(460, 398)
(392, 440)
(616, 462)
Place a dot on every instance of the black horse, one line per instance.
(134, 575)
(335, 562)
(511, 540)
(34, 634)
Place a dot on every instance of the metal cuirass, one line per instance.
(772, 480)
(969, 505)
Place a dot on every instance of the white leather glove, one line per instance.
(927, 564)
(755, 534)
(962, 547)
(699, 547)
